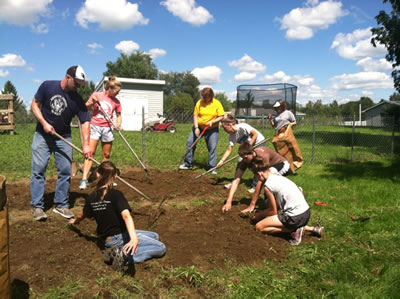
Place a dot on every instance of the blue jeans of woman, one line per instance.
(43, 146)
(211, 137)
(149, 245)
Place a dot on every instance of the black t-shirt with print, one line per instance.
(107, 212)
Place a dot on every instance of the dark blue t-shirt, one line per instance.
(59, 107)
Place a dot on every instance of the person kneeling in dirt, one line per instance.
(123, 243)
(247, 152)
(282, 195)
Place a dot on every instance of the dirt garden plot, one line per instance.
(184, 211)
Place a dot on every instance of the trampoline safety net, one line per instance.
(257, 100)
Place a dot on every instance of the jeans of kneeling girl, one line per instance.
(149, 245)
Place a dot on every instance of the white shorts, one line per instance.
(104, 134)
(281, 168)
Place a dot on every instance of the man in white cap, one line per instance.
(54, 106)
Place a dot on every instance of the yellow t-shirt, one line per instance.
(208, 112)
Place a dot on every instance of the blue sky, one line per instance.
(323, 47)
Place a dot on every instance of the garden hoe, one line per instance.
(361, 219)
(194, 143)
(98, 163)
(123, 138)
(231, 159)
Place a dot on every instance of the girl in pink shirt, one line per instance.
(100, 125)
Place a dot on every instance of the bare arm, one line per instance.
(254, 136)
(119, 121)
(272, 208)
(133, 244)
(35, 108)
(196, 125)
(78, 218)
(235, 183)
(256, 194)
(85, 130)
(225, 156)
(216, 120)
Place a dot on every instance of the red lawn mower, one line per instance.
(160, 125)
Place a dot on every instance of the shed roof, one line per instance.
(134, 81)
(382, 103)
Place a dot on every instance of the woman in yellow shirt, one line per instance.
(207, 112)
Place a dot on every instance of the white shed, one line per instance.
(135, 94)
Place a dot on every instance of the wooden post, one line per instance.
(4, 242)
(7, 115)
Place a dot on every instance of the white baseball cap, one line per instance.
(277, 104)
(78, 74)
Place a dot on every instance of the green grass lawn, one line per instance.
(353, 260)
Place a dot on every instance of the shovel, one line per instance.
(123, 138)
(194, 143)
(98, 163)
(361, 219)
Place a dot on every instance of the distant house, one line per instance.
(134, 95)
(375, 115)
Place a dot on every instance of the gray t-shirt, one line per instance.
(284, 118)
(288, 196)
(243, 135)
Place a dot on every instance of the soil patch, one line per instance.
(184, 211)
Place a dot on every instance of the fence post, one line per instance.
(394, 124)
(263, 124)
(143, 138)
(313, 140)
(352, 138)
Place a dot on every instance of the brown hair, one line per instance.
(107, 172)
(245, 149)
(229, 119)
(207, 92)
(112, 83)
(283, 104)
(258, 164)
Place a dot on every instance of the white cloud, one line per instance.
(245, 76)
(248, 64)
(188, 11)
(302, 23)
(111, 15)
(306, 80)
(208, 75)
(278, 77)
(357, 45)
(362, 80)
(3, 73)
(93, 47)
(23, 12)
(372, 65)
(127, 47)
(12, 60)
(156, 52)
(41, 28)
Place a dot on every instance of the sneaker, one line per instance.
(228, 186)
(184, 167)
(119, 259)
(83, 185)
(39, 214)
(214, 172)
(251, 190)
(65, 212)
(296, 236)
(318, 231)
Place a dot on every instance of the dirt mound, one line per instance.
(184, 211)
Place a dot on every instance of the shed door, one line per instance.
(132, 112)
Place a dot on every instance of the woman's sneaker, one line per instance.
(184, 167)
(228, 186)
(318, 231)
(296, 236)
(119, 259)
(83, 185)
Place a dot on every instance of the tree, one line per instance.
(395, 97)
(20, 112)
(389, 36)
(86, 90)
(176, 83)
(179, 103)
(137, 65)
(223, 98)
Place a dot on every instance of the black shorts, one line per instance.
(294, 222)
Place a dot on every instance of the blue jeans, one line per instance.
(149, 245)
(211, 137)
(42, 147)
